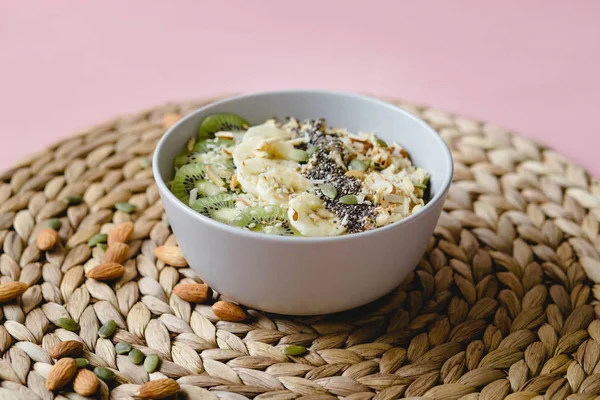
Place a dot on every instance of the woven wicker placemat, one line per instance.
(502, 305)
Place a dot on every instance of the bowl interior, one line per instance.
(356, 113)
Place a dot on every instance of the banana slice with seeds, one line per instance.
(276, 186)
(308, 215)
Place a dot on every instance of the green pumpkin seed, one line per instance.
(73, 200)
(125, 207)
(311, 150)
(349, 199)
(294, 350)
(97, 239)
(107, 329)
(151, 363)
(104, 373)
(136, 356)
(357, 165)
(68, 324)
(145, 163)
(299, 155)
(381, 142)
(420, 186)
(328, 190)
(103, 246)
(54, 223)
(123, 348)
(81, 362)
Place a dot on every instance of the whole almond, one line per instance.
(171, 255)
(229, 311)
(12, 290)
(116, 253)
(168, 120)
(106, 272)
(61, 373)
(69, 348)
(192, 292)
(85, 383)
(158, 389)
(121, 233)
(46, 239)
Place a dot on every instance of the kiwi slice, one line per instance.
(220, 207)
(198, 151)
(267, 219)
(221, 122)
(193, 176)
(206, 145)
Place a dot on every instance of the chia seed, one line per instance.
(322, 167)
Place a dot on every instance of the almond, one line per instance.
(229, 311)
(171, 255)
(234, 182)
(355, 174)
(121, 233)
(47, 239)
(69, 348)
(168, 120)
(12, 290)
(116, 253)
(192, 292)
(106, 272)
(85, 383)
(158, 389)
(61, 373)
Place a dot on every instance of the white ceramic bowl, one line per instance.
(301, 275)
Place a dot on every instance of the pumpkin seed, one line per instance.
(97, 239)
(73, 200)
(125, 207)
(104, 373)
(107, 329)
(67, 323)
(151, 363)
(311, 150)
(103, 246)
(123, 348)
(349, 199)
(136, 356)
(81, 362)
(145, 163)
(357, 165)
(328, 190)
(54, 223)
(381, 142)
(420, 186)
(294, 350)
(299, 155)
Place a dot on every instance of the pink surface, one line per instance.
(531, 66)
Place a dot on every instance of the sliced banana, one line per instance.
(247, 149)
(308, 215)
(276, 185)
(267, 131)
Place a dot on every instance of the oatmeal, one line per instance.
(297, 177)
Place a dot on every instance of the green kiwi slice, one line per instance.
(189, 177)
(220, 207)
(221, 122)
(200, 148)
(206, 145)
(269, 219)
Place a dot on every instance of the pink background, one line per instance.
(531, 66)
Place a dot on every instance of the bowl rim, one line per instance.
(437, 198)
